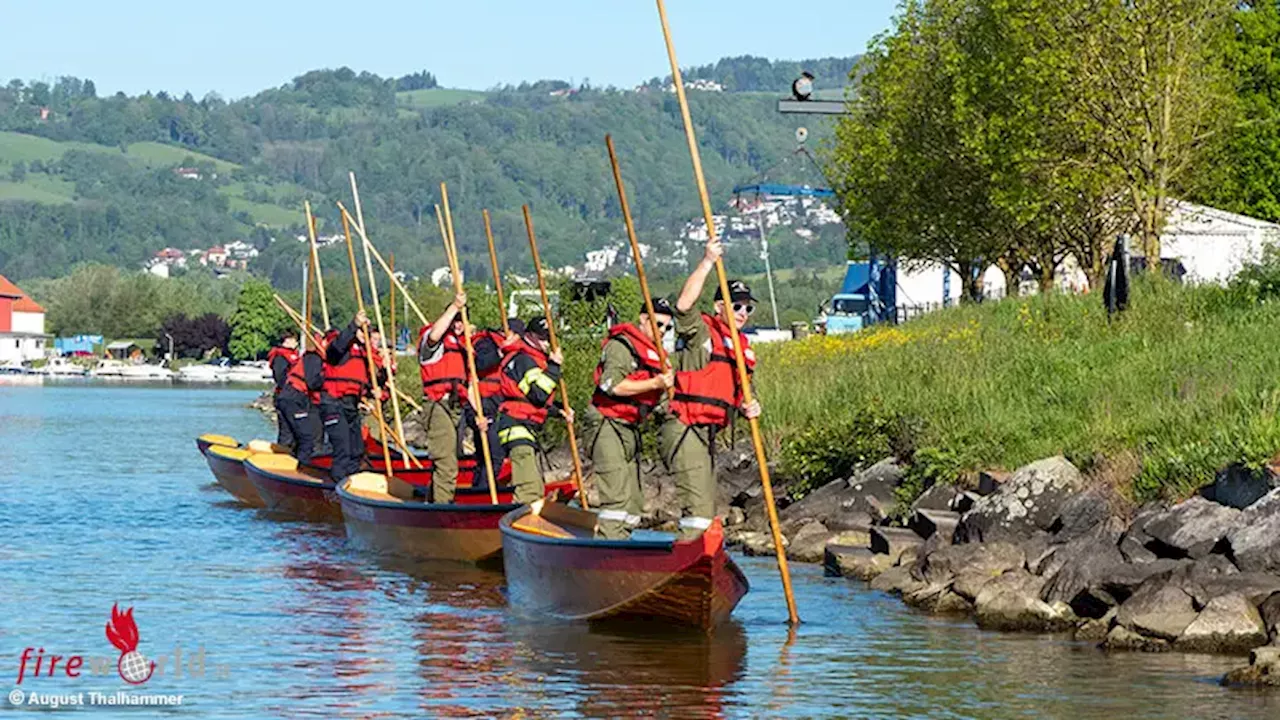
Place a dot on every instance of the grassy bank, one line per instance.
(1183, 384)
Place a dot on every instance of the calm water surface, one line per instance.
(104, 499)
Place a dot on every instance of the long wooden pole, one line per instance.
(745, 380)
(497, 277)
(636, 255)
(388, 357)
(315, 265)
(309, 327)
(451, 247)
(347, 220)
(555, 345)
(373, 372)
(391, 291)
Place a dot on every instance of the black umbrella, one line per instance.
(1115, 293)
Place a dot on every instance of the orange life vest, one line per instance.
(514, 403)
(632, 409)
(709, 396)
(291, 356)
(447, 373)
(350, 377)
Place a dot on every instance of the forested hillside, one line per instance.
(89, 178)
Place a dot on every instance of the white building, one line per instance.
(1212, 244)
(22, 336)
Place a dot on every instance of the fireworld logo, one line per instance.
(122, 631)
(132, 666)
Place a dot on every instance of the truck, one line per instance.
(867, 296)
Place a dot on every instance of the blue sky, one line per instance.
(238, 47)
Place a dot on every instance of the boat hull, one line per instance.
(204, 441)
(463, 531)
(307, 495)
(227, 465)
(693, 583)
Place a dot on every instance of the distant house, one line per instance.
(1213, 244)
(124, 350)
(22, 336)
(215, 256)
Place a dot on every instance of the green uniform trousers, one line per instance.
(687, 452)
(525, 473)
(441, 422)
(615, 456)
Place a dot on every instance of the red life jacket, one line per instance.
(297, 378)
(290, 355)
(514, 404)
(350, 377)
(709, 396)
(633, 409)
(446, 374)
(491, 379)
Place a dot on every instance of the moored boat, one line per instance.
(557, 568)
(286, 487)
(465, 530)
(204, 441)
(227, 465)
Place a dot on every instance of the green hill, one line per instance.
(92, 178)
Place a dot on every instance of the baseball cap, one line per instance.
(738, 291)
(538, 327)
(660, 307)
(516, 325)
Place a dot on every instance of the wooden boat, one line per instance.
(556, 567)
(286, 487)
(227, 464)
(204, 441)
(465, 530)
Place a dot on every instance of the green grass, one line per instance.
(436, 97)
(20, 147)
(154, 154)
(31, 193)
(263, 214)
(1185, 383)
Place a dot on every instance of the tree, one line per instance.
(257, 322)
(194, 337)
(19, 172)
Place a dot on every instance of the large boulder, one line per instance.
(1157, 610)
(1122, 581)
(1083, 564)
(927, 523)
(1012, 602)
(990, 561)
(821, 504)
(809, 543)
(1133, 543)
(939, 497)
(896, 581)
(856, 562)
(1269, 609)
(1191, 529)
(1081, 514)
(1228, 624)
(892, 541)
(1255, 542)
(1263, 669)
(1027, 503)
(872, 489)
(1239, 487)
(1122, 638)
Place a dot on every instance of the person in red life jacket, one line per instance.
(529, 377)
(297, 399)
(708, 392)
(346, 382)
(630, 382)
(280, 358)
(490, 345)
(442, 361)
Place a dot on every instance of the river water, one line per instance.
(104, 499)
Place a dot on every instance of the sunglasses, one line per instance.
(747, 308)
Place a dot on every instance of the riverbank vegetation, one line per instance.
(1154, 401)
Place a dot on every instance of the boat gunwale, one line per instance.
(344, 494)
(276, 477)
(505, 525)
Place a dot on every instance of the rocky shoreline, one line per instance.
(1038, 550)
(1042, 550)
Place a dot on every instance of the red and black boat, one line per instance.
(204, 441)
(556, 567)
(465, 530)
(227, 464)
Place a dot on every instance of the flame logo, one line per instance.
(122, 631)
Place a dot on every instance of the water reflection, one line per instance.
(637, 669)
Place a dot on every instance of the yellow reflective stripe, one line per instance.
(515, 432)
(535, 376)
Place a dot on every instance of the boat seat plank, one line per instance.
(536, 525)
